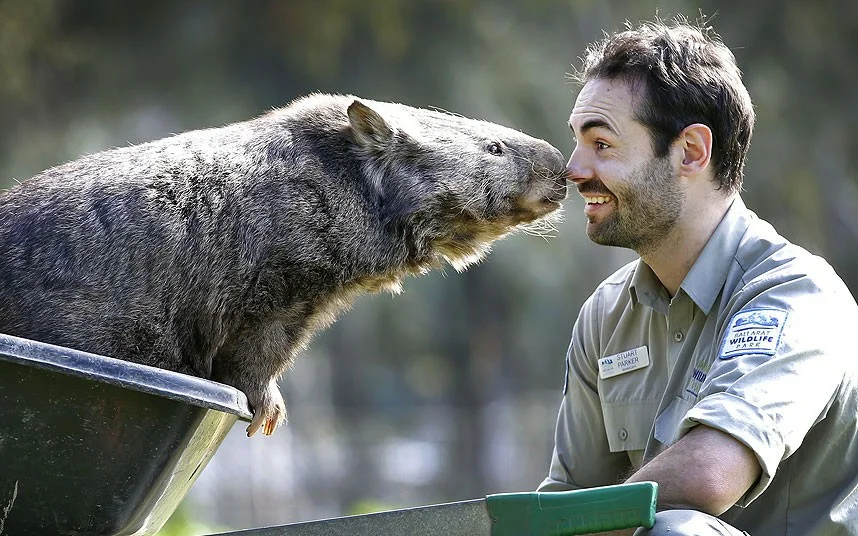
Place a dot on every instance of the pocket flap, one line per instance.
(628, 424)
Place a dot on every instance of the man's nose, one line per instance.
(577, 168)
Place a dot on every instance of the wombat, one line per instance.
(219, 252)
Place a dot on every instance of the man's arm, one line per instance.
(706, 470)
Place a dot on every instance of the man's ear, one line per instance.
(369, 128)
(695, 141)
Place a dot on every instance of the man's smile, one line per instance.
(597, 199)
(596, 203)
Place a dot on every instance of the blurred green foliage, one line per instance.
(182, 523)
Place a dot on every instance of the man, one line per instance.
(722, 363)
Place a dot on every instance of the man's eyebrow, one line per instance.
(596, 123)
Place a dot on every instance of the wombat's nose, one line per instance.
(559, 160)
(553, 161)
(550, 157)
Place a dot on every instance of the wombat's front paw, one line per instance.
(269, 410)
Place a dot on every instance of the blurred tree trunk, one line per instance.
(474, 345)
(350, 350)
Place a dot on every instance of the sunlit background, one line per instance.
(449, 391)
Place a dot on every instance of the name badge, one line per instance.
(627, 361)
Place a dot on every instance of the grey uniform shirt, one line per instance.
(759, 342)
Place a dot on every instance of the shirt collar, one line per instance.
(646, 289)
(706, 278)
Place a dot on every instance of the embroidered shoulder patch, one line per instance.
(753, 331)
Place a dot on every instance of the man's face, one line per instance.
(633, 198)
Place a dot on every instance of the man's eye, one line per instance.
(601, 146)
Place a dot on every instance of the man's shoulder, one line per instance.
(771, 265)
(609, 297)
(764, 254)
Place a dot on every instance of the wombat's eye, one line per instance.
(495, 149)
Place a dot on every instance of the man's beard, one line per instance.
(648, 205)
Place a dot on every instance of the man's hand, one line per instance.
(707, 470)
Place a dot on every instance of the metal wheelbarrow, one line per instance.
(96, 446)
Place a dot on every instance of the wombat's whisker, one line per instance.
(524, 158)
(544, 224)
(533, 169)
(536, 232)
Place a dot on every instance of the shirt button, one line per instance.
(623, 434)
(677, 336)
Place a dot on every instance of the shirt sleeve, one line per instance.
(582, 457)
(777, 370)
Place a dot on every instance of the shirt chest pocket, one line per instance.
(629, 409)
(630, 402)
(628, 423)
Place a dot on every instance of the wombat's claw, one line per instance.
(255, 424)
(268, 424)
(268, 415)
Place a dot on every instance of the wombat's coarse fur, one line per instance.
(219, 252)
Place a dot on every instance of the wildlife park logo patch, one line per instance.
(753, 331)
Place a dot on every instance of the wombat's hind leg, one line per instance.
(269, 410)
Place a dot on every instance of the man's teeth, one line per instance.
(597, 200)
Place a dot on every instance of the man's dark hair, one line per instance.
(688, 76)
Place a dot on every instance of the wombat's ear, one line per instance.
(369, 128)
